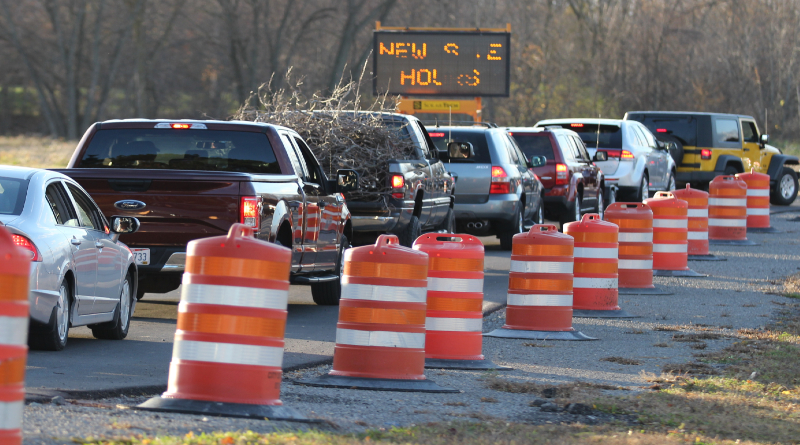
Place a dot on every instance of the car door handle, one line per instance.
(75, 241)
(99, 244)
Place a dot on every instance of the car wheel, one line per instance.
(600, 209)
(118, 328)
(517, 226)
(730, 170)
(574, 213)
(785, 191)
(671, 182)
(644, 189)
(55, 340)
(449, 223)
(410, 234)
(330, 292)
(540, 213)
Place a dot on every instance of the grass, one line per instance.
(34, 151)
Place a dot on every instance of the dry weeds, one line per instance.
(35, 151)
(620, 360)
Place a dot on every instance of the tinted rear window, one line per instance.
(12, 195)
(478, 140)
(535, 145)
(608, 136)
(212, 150)
(683, 128)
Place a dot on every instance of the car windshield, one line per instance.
(12, 195)
(608, 136)
(534, 144)
(442, 136)
(214, 150)
(682, 128)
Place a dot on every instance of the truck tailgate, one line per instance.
(474, 182)
(179, 205)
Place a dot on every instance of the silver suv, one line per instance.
(638, 164)
(497, 192)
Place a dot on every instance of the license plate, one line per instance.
(141, 256)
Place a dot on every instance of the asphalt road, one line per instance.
(88, 367)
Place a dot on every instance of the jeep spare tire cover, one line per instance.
(675, 147)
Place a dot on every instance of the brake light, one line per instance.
(250, 214)
(561, 174)
(501, 183)
(626, 155)
(26, 244)
(180, 126)
(661, 130)
(705, 154)
(398, 181)
(436, 135)
(510, 133)
(576, 125)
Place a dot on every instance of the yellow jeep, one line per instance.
(706, 145)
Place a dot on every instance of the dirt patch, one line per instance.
(689, 369)
(696, 337)
(621, 360)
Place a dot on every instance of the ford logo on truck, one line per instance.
(130, 204)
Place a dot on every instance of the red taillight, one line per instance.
(250, 214)
(576, 125)
(398, 195)
(180, 126)
(661, 130)
(562, 176)
(626, 154)
(500, 182)
(510, 133)
(26, 244)
(705, 154)
(436, 135)
(398, 181)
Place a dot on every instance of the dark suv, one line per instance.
(573, 183)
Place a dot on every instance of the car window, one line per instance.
(749, 131)
(12, 195)
(293, 158)
(310, 161)
(155, 148)
(59, 203)
(522, 160)
(638, 137)
(566, 147)
(682, 128)
(581, 149)
(512, 154)
(727, 130)
(426, 141)
(534, 144)
(594, 135)
(649, 140)
(88, 214)
(441, 136)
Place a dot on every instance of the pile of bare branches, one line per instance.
(340, 132)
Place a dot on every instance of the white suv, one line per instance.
(638, 164)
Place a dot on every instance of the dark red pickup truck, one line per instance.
(189, 179)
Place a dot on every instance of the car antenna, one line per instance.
(597, 144)
(449, 132)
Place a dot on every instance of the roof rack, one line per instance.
(439, 123)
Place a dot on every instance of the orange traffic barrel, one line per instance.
(540, 287)
(595, 284)
(228, 350)
(14, 315)
(454, 318)
(380, 336)
(697, 235)
(757, 202)
(670, 236)
(635, 222)
(727, 211)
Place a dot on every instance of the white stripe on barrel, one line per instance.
(635, 264)
(15, 330)
(671, 223)
(596, 252)
(698, 213)
(234, 296)
(455, 284)
(632, 237)
(390, 339)
(540, 267)
(384, 293)
(539, 300)
(454, 324)
(739, 222)
(229, 353)
(698, 235)
(670, 248)
(727, 202)
(761, 193)
(595, 283)
(757, 211)
(11, 415)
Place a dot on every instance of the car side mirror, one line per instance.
(600, 156)
(460, 150)
(123, 224)
(764, 140)
(537, 161)
(661, 145)
(347, 180)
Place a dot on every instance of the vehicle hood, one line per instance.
(773, 149)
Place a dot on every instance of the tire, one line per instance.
(507, 235)
(671, 182)
(573, 213)
(600, 208)
(410, 234)
(57, 339)
(730, 170)
(139, 293)
(785, 191)
(676, 150)
(449, 223)
(539, 215)
(329, 293)
(644, 189)
(118, 328)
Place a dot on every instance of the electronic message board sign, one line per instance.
(441, 63)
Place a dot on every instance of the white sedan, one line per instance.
(80, 273)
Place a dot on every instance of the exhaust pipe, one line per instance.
(471, 225)
(478, 225)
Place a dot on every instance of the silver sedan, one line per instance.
(80, 273)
